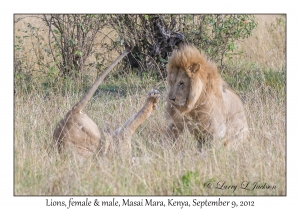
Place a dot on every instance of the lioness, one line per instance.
(200, 100)
(78, 133)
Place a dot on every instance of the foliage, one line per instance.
(57, 49)
(23, 66)
(72, 39)
(217, 34)
(62, 45)
(186, 183)
(155, 36)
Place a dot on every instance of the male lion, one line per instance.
(200, 100)
(78, 133)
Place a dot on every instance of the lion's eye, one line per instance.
(180, 84)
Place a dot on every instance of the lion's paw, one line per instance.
(153, 97)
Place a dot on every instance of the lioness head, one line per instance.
(185, 78)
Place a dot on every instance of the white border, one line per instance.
(8, 8)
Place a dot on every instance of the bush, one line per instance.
(56, 48)
(60, 47)
(72, 39)
(155, 36)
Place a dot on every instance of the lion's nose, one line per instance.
(172, 98)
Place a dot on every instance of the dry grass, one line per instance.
(159, 169)
(267, 45)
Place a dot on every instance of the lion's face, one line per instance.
(179, 87)
(185, 87)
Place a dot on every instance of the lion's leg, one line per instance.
(124, 133)
(105, 142)
(173, 131)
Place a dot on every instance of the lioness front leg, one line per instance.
(123, 134)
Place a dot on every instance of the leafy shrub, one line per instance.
(54, 49)
(155, 36)
(61, 45)
(72, 39)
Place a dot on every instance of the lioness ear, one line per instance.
(195, 67)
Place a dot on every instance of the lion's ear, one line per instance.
(195, 67)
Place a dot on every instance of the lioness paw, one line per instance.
(153, 97)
